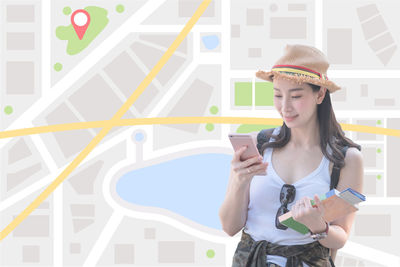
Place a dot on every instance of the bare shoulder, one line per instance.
(353, 157)
(351, 175)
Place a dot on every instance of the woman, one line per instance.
(298, 161)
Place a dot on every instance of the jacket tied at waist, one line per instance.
(251, 253)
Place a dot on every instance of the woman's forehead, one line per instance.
(289, 86)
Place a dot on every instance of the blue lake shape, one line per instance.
(192, 186)
(210, 41)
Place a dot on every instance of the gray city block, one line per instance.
(18, 151)
(367, 12)
(14, 179)
(199, 93)
(20, 13)
(366, 136)
(150, 56)
(364, 90)
(105, 102)
(255, 52)
(376, 94)
(349, 262)
(30, 254)
(297, 7)
(20, 78)
(188, 7)
(255, 17)
(369, 186)
(149, 233)
(340, 95)
(75, 248)
(94, 170)
(288, 28)
(20, 41)
(340, 46)
(385, 102)
(386, 55)
(44, 206)
(374, 27)
(235, 31)
(164, 40)
(124, 254)
(382, 41)
(366, 225)
(81, 224)
(83, 181)
(392, 160)
(127, 76)
(179, 12)
(82, 210)
(374, 21)
(375, 226)
(369, 156)
(33, 226)
(69, 142)
(176, 252)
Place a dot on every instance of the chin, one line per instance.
(292, 124)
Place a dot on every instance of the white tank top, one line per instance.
(264, 203)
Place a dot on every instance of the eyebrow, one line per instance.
(291, 90)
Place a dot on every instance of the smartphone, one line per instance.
(243, 139)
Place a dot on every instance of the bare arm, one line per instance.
(351, 175)
(233, 211)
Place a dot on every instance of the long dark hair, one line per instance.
(330, 132)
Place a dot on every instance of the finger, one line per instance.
(239, 152)
(298, 204)
(250, 161)
(254, 169)
(261, 168)
(295, 210)
(316, 199)
(307, 202)
(318, 203)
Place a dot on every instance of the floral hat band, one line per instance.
(299, 70)
(301, 64)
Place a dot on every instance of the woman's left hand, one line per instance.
(310, 216)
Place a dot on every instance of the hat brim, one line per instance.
(269, 76)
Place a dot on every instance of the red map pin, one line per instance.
(80, 20)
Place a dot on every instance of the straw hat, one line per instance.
(302, 64)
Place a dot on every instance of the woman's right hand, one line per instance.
(244, 171)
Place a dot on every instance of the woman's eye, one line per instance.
(292, 96)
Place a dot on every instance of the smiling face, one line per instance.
(296, 103)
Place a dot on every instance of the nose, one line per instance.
(286, 105)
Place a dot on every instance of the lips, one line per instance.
(290, 118)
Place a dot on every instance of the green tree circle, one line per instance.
(8, 110)
(120, 8)
(67, 10)
(58, 66)
(209, 127)
(210, 253)
(214, 110)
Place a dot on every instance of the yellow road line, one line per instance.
(180, 120)
(96, 140)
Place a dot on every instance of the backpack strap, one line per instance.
(263, 137)
(336, 171)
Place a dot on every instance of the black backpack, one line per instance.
(264, 136)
